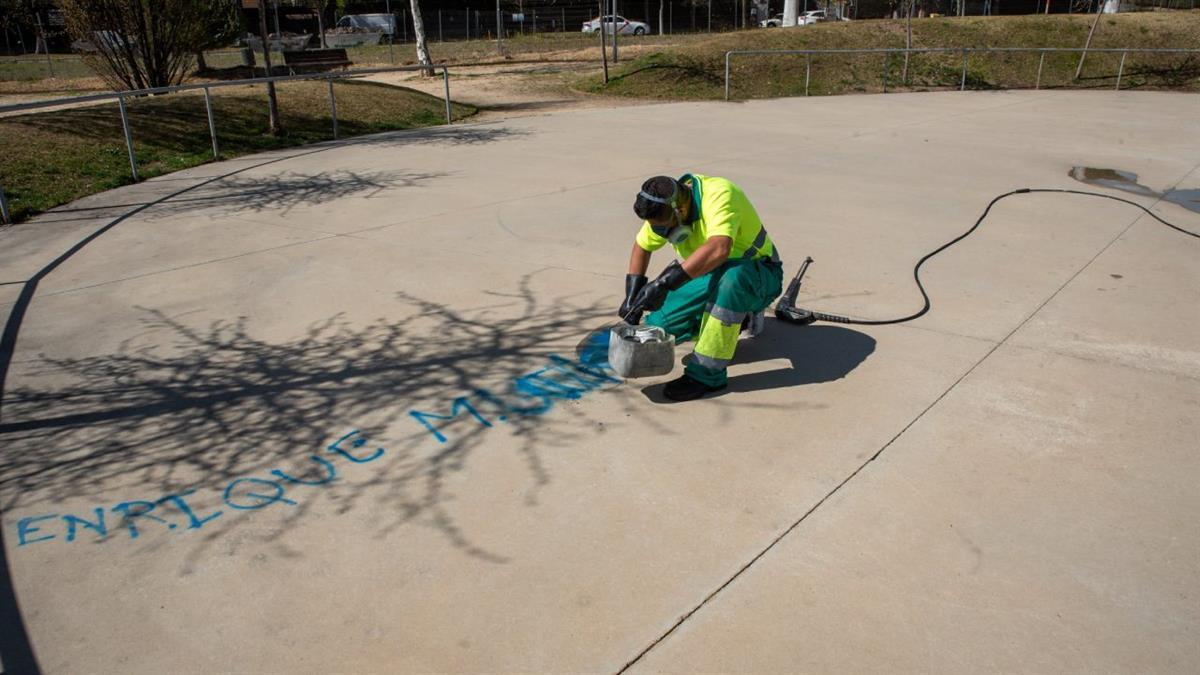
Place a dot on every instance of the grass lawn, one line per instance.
(55, 157)
(696, 70)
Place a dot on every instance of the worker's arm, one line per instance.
(708, 257)
(639, 259)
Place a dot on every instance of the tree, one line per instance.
(224, 25)
(139, 44)
(18, 16)
(419, 31)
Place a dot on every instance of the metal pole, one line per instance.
(727, 55)
(212, 128)
(886, 57)
(500, 29)
(962, 86)
(5, 216)
(1121, 69)
(446, 82)
(616, 29)
(333, 108)
(908, 43)
(1041, 62)
(128, 138)
(807, 71)
(392, 34)
(278, 33)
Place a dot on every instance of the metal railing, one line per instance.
(121, 96)
(965, 51)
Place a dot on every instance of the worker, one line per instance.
(731, 272)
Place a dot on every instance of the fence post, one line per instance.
(446, 82)
(727, 54)
(128, 138)
(1041, 62)
(807, 72)
(1121, 69)
(333, 107)
(887, 57)
(5, 216)
(962, 85)
(212, 127)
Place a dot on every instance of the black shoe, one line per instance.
(687, 389)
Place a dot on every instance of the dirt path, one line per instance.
(513, 89)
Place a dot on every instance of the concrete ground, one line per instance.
(334, 409)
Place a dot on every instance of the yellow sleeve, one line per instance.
(648, 240)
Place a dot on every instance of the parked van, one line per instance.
(377, 23)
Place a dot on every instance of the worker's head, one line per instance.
(664, 203)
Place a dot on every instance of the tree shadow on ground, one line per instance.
(286, 191)
(182, 407)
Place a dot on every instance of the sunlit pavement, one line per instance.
(334, 409)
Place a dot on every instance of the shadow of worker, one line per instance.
(816, 353)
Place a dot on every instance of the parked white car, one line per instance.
(624, 26)
(805, 19)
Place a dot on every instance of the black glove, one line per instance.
(633, 284)
(655, 293)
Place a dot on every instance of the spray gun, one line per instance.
(786, 309)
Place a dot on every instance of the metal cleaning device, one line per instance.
(640, 351)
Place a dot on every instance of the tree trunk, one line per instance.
(272, 101)
(201, 64)
(660, 16)
(419, 32)
(603, 44)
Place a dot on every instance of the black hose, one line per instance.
(835, 318)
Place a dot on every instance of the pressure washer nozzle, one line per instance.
(795, 315)
(786, 309)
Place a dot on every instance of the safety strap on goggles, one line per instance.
(651, 198)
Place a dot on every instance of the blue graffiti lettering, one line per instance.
(267, 500)
(539, 383)
(24, 529)
(329, 470)
(194, 523)
(98, 527)
(537, 391)
(458, 404)
(126, 509)
(357, 443)
(576, 370)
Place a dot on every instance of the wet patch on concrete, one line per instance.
(1126, 181)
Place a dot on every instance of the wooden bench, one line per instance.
(315, 59)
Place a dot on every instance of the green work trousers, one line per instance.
(710, 309)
